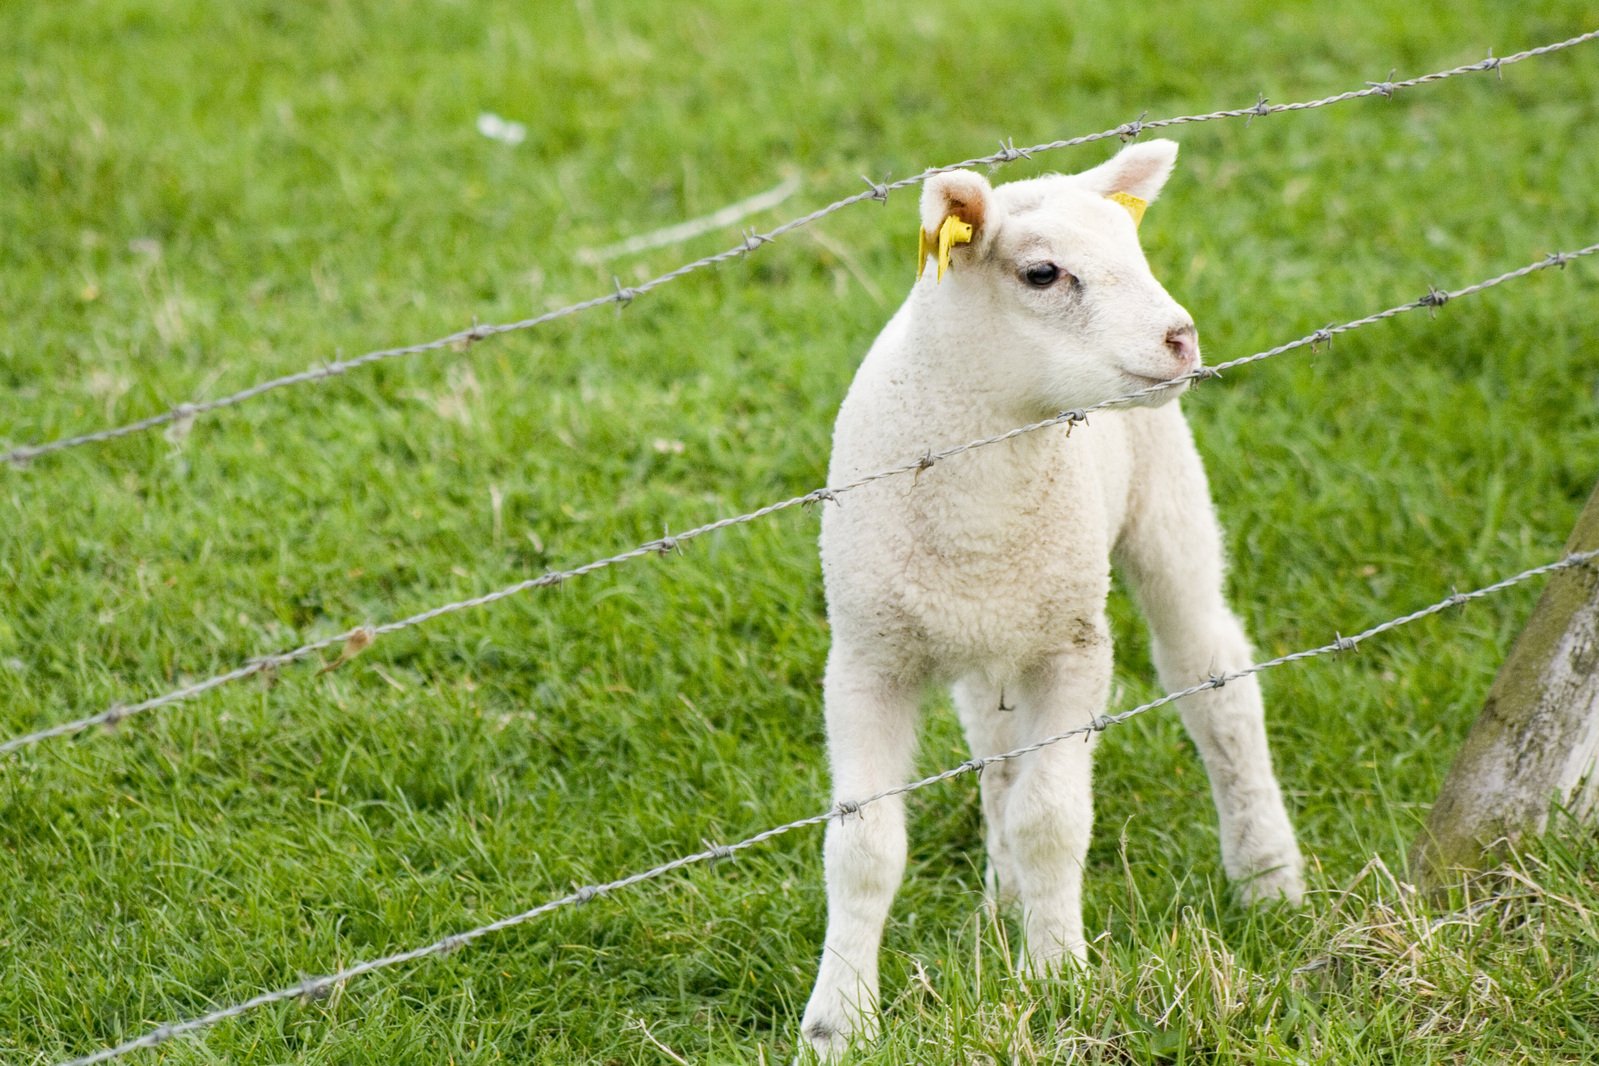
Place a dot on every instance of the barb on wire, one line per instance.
(316, 987)
(877, 191)
(364, 635)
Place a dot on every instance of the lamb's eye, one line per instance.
(1042, 275)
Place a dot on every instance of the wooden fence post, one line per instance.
(1537, 738)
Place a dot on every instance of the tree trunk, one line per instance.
(1537, 739)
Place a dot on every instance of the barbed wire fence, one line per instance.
(313, 988)
(354, 641)
(186, 413)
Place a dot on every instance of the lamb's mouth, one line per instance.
(1146, 381)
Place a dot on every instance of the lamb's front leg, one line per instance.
(871, 733)
(1049, 812)
(1228, 725)
(1173, 555)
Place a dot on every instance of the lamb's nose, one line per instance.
(1184, 344)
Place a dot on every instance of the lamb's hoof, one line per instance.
(1062, 960)
(842, 1011)
(1282, 884)
(827, 1040)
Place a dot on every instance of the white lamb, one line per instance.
(990, 570)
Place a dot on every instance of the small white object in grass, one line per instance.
(500, 129)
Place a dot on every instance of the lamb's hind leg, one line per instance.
(988, 714)
(1049, 810)
(871, 736)
(1171, 550)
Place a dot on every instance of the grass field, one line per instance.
(194, 197)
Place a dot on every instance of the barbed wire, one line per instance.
(312, 988)
(186, 413)
(352, 642)
(1434, 299)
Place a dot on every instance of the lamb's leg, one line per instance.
(988, 714)
(1172, 553)
(871, 734)
(1049, 811)
(1228, 727)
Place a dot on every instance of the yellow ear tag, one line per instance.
(1134, 205)
(952, 232)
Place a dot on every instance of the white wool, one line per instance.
(989, 571)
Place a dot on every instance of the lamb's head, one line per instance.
(1047, 285)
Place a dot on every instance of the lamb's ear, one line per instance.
(957, 208)
(1134, 176)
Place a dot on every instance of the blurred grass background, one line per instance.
(195, 197)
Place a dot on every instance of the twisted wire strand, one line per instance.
(364, 635)
(751, 242)
(316, 987)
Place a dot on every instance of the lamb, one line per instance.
(990, 570)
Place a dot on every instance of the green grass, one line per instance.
(194, 197)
